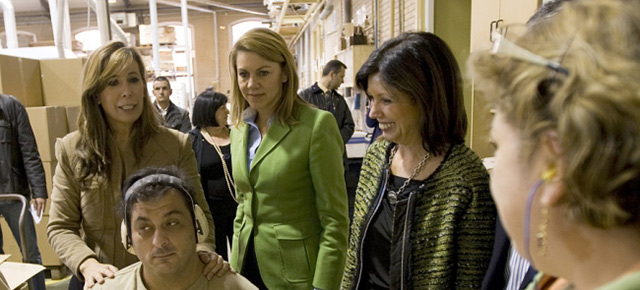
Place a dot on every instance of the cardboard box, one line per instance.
(15, 275)
(72, 118)
(49, 257)
(61, 81)
(49, 170)
(20, 77)
(48, 123)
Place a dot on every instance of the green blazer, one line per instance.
(293, 201)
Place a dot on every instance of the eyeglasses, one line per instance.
(503, 46)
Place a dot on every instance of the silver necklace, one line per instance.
(393, 196)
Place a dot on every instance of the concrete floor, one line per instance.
(62, 284)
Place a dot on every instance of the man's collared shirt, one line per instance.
(162, 111)
(516, 270)
(323, 88)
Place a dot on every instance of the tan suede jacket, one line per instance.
(96, 211)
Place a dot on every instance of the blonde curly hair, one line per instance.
(595, 110)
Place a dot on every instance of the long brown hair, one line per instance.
(94, 148)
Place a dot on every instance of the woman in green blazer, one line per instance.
(292, 220)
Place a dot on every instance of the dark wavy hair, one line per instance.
(421, 65)
(155, 190)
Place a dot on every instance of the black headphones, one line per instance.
(199, 218)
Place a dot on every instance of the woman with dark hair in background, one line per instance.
(424, 218)
(213, 155)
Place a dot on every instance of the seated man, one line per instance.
(162, 226)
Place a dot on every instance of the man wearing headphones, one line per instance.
(161, 226)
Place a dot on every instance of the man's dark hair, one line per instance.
(333, 66)
(155, 190)
(163, 79)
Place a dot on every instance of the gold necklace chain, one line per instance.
(394, 195)
(227, 175)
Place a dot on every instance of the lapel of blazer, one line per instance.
(239, 152)
(274, 135)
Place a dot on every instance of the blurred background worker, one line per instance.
(21, 172)
(177, 118)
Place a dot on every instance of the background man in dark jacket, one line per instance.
(21, 172)
(176, 117)
(324, 96)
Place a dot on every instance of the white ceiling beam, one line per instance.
(229, 7)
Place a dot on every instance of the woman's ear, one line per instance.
(285, 77)
(554, 187)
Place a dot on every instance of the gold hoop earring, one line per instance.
(541, 236)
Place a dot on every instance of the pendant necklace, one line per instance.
(393, 195)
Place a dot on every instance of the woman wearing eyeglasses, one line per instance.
(567, 171)
(424, 218)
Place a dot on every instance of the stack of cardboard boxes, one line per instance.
(50, 91)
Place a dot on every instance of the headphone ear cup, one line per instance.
(124, 236)
(202, 227)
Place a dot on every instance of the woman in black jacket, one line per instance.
(211, 145)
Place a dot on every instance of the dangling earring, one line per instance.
(527, 221)
(542, 229)
(541, 236)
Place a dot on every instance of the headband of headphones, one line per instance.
(160, 179)
(199, 218)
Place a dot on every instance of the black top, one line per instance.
(377, 242)
(212, 172)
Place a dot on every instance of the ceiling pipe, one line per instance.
(196, 8)
(187, 50)
(316, 10)
(64, 40)
(229, 7)
(102, 15)
(376, 10)
(153, 10)
(9, 16)
(429, 23)
(57, 18)
(401, 15)
(307, 56)
(67, 26)
(215, 49)
(115, 29)
(283, 12)
(346, 11)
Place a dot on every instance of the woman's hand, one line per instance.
(214, 265)
(94, 272)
